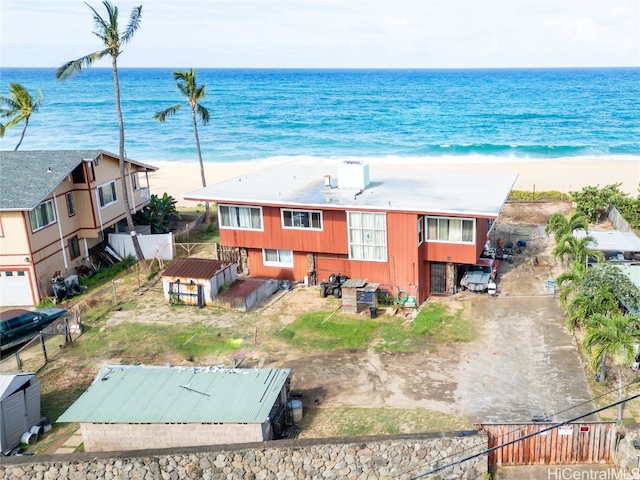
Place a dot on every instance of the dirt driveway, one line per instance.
(521, 364)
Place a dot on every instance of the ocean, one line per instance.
(278, 114)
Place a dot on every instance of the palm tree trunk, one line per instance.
(602, 364)
(207, 213)
(619, 393)
(24, 130)
(123, 179)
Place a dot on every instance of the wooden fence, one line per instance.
(575, 443)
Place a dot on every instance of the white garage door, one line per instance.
(15, 288)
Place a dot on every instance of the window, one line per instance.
(367, 236)
(107, 194)
(231, 216)
(92, 172)
(78, 174)
(135, 181)
(42, 216)
(71, 208)
(277, 258)
(74, 247)
(457, 230)
(302, 219)
(420, 230)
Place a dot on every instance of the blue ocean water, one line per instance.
(418, 115)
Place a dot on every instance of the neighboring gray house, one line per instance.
(140, 407)
(196, 281)
(19, 407)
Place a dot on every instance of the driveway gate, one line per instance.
(574, 443)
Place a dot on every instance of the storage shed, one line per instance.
(358, 296)
(19, 407)
(139, 407)
(196, 281)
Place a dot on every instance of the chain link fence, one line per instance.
(45, 346)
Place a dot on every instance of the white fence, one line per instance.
(153, 246)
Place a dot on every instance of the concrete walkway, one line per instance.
(71, 444)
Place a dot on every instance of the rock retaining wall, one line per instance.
(398, 457)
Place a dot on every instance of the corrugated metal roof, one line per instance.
(147, 394)
(420, 190)
(25, 179)
(242, 288)
(9, 383)
(194, 268)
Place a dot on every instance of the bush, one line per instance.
(545, 196)
(105, 274)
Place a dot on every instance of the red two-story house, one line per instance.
(406, 228)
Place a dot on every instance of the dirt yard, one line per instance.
(521, 330)
(521, 363)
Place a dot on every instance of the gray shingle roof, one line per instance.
(25, 179)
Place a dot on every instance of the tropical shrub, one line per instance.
(160, 214)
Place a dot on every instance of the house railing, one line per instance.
(145, 194)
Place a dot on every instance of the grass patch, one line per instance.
(319, 332)
(351, 421)
(152, 344)
(433, 322)
(314, 331)
(106, 274)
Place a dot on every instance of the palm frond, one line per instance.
(169, 112)
(74, 67)
(203, 113)
(133, 25)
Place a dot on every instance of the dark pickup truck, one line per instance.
(19, 326)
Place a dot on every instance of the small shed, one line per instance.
(19, 407)
(196, 281)
(358, 295)
(134, 407)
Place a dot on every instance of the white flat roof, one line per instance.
(421, 190)
(611, 240)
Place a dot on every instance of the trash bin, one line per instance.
(373, 311)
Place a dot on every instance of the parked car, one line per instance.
(478, 277)
(19, 326)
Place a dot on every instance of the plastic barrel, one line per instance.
(28, 438)
(296, 410)
(373, 312)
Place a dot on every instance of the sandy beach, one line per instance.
(562, 175)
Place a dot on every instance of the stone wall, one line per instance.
(628, 456)
(398, 457)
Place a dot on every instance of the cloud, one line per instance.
(334, 33)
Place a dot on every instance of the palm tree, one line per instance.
(20, 106)
(187, 85)
(576, 249)
(612, 336)
(583, 306)
(106, 29)
(560, 225)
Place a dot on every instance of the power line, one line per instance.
(492, 449)
(471, 447)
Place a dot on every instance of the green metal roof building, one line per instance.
(138, 407)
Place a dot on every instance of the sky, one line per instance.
(332, 33)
